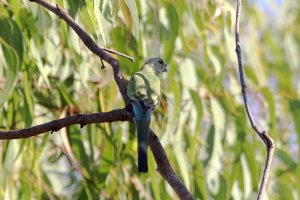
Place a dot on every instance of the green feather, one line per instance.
(143, 89)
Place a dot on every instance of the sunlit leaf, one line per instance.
(129, 10)
(96, 17)
(198, 105)
(216, 147)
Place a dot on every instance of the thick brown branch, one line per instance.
(270, 146)
(163, 165)
(160, 156)
(165, 169)
(91, 45)
(55, 125)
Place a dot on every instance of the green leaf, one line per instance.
(43, 99)
(108, 9)
(12, 66)
(214, 60)
(284, 190)
(197, 101)
(12, 46)
(76, 142)
(108, 155)
(171, 33)
(65, 94)
(25, 190)
(44, 21)
(129, 10)
(249, 150)
(215, 159)
(223, 188)
(28, 100)
(251, 75)
(87, 18)
(96, 17)
(176, 100)
(241, 126)
(154, 181)
(73, 7)
(12, 35)
(295, 111)
(196, 18)
(15, 7)
(35, 53)
(200, 190)
(286, 160)
(271, 107)
(292, 51)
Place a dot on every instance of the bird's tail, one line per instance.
(142, 127)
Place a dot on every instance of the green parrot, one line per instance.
(143, 90)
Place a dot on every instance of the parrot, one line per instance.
(143, 90)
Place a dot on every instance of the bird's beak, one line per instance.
(165, 68)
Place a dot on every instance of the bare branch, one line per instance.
(118, 53)
(55, 125)
(91, 45)
(270, 146)
(164, 167)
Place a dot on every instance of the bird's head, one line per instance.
(157, 64)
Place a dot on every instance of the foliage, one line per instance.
(47, 73)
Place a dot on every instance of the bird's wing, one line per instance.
(144, 85)
(136, 88)
(153, 91)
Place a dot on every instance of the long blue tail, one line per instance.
(142, 127)
(142, 118)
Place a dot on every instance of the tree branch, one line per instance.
(165, 169)
(270, 146)
(163, 164)
(118, 53)
(55, 125)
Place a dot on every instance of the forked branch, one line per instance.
(163, 165)
(270, 146)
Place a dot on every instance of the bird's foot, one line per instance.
(129, 108)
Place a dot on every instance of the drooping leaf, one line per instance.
(171, 31)
(129, 10)
(12, 46)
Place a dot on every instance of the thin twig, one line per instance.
(164, 167)
(103, 66)
(270, 146)
(118, 53)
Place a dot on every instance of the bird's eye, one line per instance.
(161, 62)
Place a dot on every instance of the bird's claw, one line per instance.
(129, 108)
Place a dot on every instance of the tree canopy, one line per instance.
(46, 73)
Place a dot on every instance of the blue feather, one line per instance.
(142, 118)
